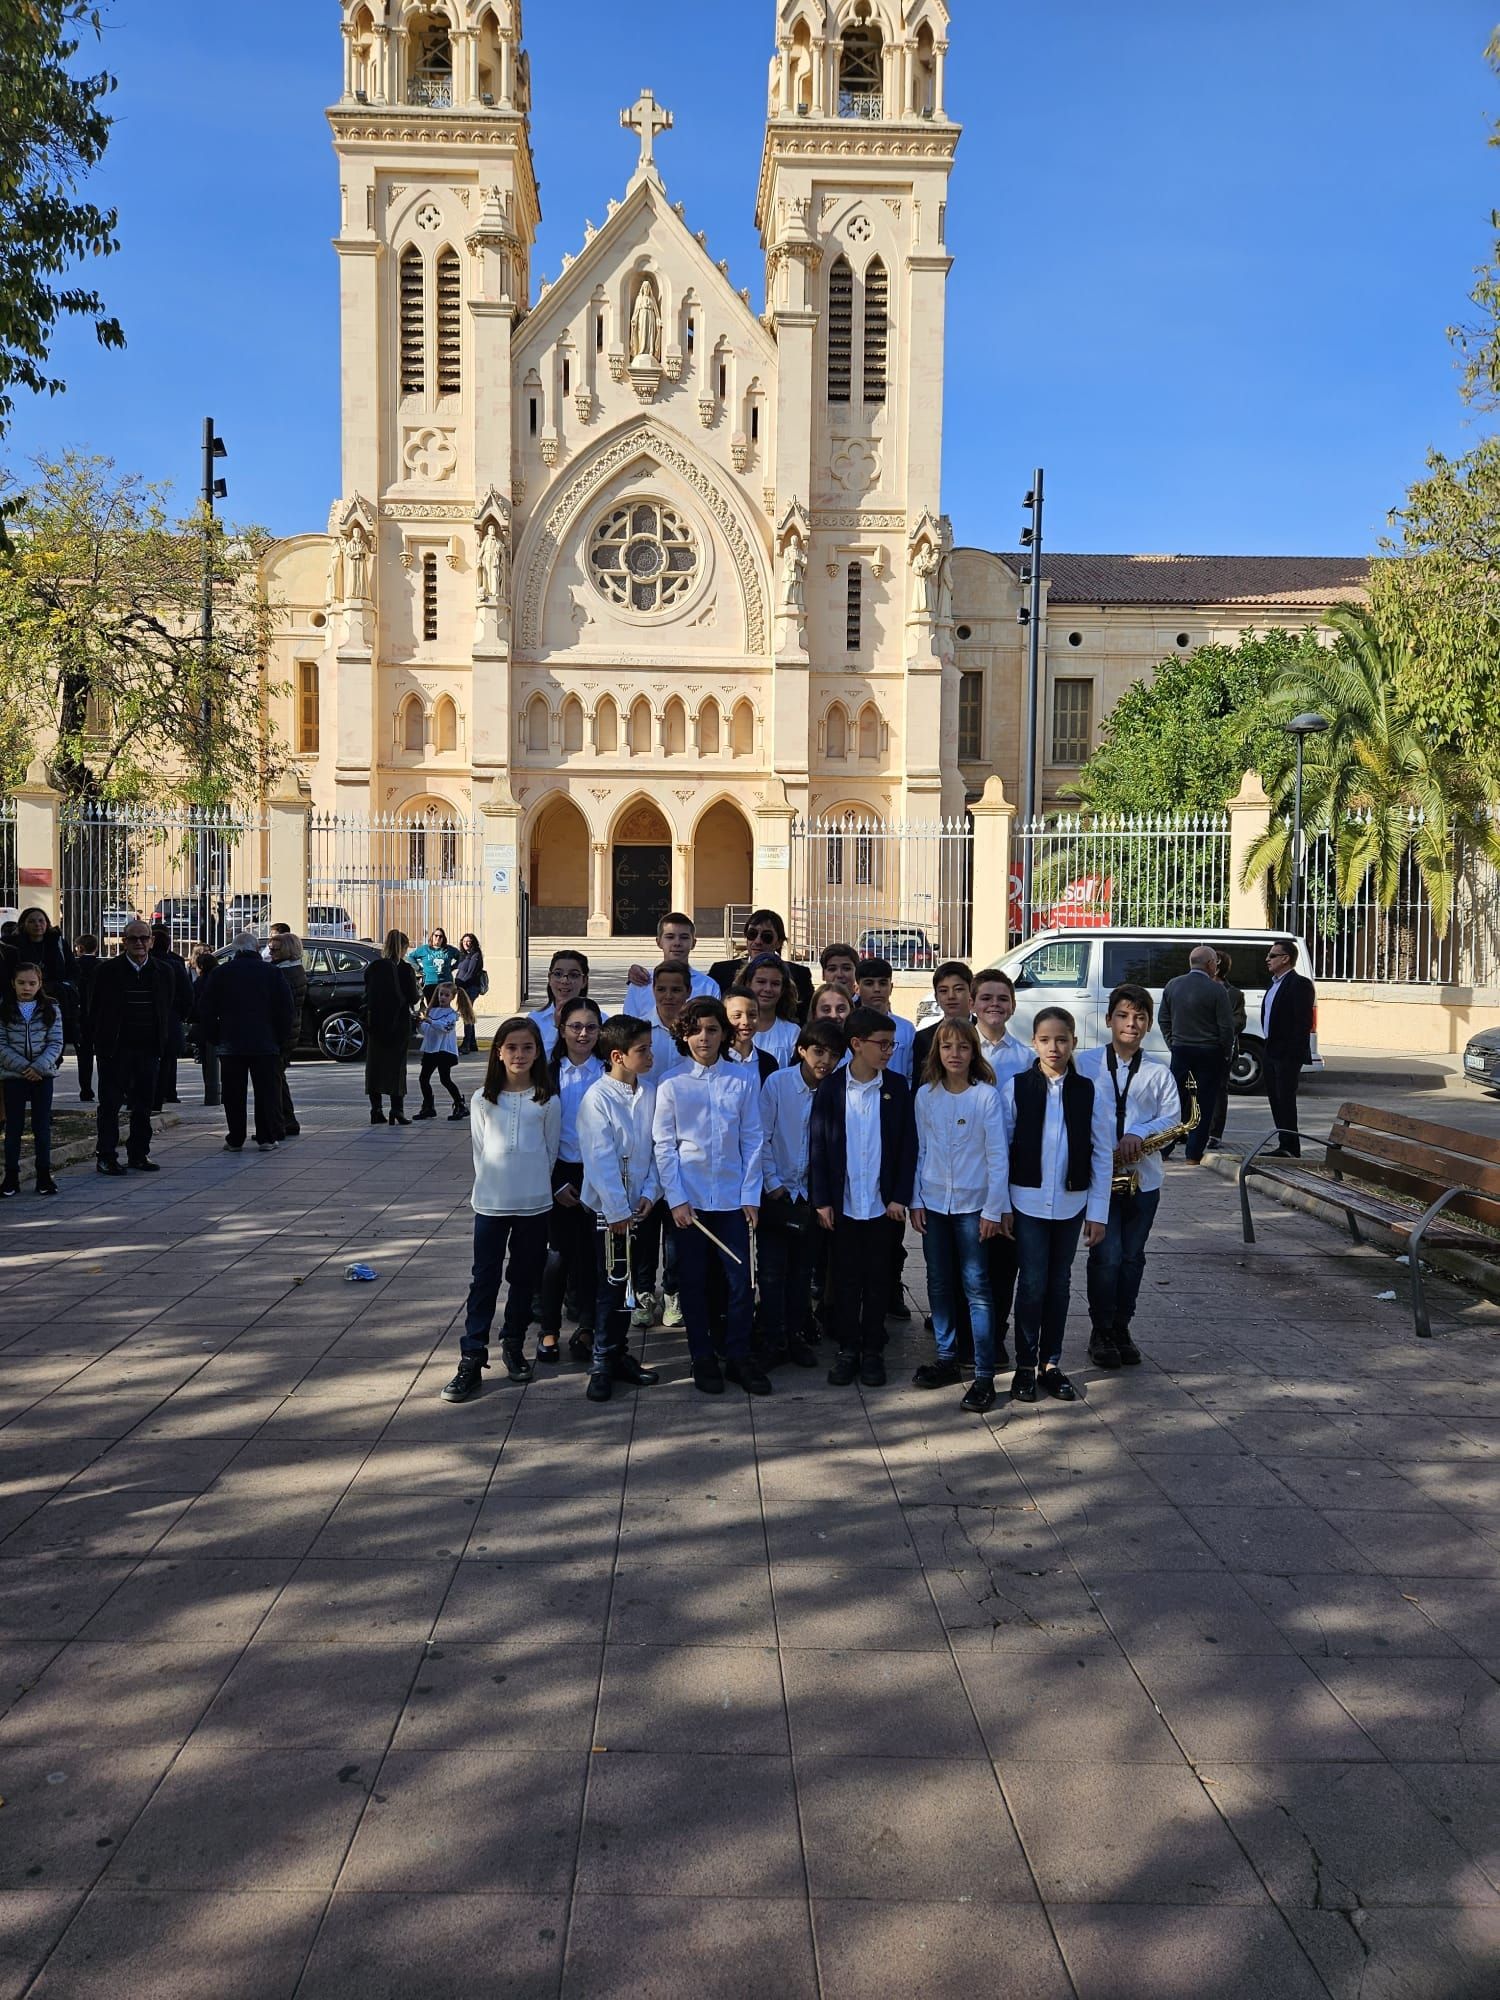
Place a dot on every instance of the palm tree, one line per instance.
(1391, 801)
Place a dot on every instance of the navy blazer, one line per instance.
(1289, 1031)
(828, 1148)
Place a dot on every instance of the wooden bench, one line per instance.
(1454, 1174)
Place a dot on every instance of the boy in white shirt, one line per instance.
(708, 1139)
(620, 1187)
(657, 1241)
(1142, 1094)
(786, 1221)
(676, 935)
(875, 979)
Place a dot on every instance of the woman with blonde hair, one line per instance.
(391, 997)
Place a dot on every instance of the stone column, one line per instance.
(500, 899)
(289, 813)
(682, 876)
(38, 842)
(994, 818)
(600, 923)
(1249, 818)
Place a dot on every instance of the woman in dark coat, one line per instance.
(391, 997)
(39, 942)
(472, 981)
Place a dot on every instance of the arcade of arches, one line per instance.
(619, 884)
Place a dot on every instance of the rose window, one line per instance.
(643, 557)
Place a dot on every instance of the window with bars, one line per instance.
(449, 324)
(970, 713)
(854, 608)
(413, 290)
(877, 330)
(307, 706)
(1072, 721)
(429, 596)
(840, 331)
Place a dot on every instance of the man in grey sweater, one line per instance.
(1197, 1024)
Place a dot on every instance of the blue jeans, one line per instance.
(694, 1255)
(526, 1238)
(1117, 1265)
(958, 1267)
(19, 1096)
(1044, 1259)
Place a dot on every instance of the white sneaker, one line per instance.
(671, 1309)
(645, 1313)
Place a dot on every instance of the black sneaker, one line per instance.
(108, 1165)
(709, 1377)
(1130, 1355)
(46, 1184)
(626, 1368)
(465, 1383)
(845, 1368)
(872, 1372)
(1103, 1352)
(749, 1376)
(9, 1186)
(517, 1367)
(601, 1386)
(980, 1395)
(800, 1354)
(937, 1375)
(459, 1111)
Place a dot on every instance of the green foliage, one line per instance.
(52, 131)
(1391, 798)
(1478, 343)
(102, 664)
(1182, 741)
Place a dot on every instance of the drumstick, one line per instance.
(717, 1244)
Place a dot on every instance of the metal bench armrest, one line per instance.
(1414, 1260)
(1276, 1132)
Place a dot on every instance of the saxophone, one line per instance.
(1127, 1180)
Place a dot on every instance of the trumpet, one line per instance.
(1127, 1180)
(619, 1261)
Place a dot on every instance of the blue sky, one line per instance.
(1205, 255)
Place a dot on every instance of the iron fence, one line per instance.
(898, 891)
(385, 872)
(202, 874)
(1124, 868)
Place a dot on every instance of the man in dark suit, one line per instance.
(132, 1013)
(246, 1010)
(764, 931)
(1197, 1024)
(1286, 1023)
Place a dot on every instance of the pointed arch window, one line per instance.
(537, 724)
(640, 727)
(837, 740)
(674, 728)
(413, 322)
(430, 72)
(877, 330)
(572, 726)
(413, 726)
(840, 331)
(869, 731)
(445, 726)
(708, 729)
(854, 608)
(607, 727)
(450, 325)
(742, 730)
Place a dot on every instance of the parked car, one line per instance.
(113, 918)
(329, 920)
(183, 918)
(1482, 1059)
(332, 1021)
(905, 947)
(246, 913)
(1079, 969)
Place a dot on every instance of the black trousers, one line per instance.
(440, 1066)
(1209, 1069)
(288, 1109)
(84, 1049)
(1283, 1075)
(859, 1275)
(571, 1254)
(128, 1077)
(264, 1072)
(786, 1249)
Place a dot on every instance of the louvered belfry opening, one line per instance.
(429, 597)
(854, 612)
(840, 331)
(450, 324)
(877, 330)
(413, 330)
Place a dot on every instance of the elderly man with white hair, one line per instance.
(1197, 1024)
(247, 1011)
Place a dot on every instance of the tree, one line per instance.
(103, 664)
(52, 131)
(1479, 342)
(1391, 800)
(1182, 741)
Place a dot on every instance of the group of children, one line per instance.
(764, 1147)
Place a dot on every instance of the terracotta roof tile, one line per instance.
(1185, 580)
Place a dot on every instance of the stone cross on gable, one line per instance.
(648, 120)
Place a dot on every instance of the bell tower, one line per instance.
(438, 214)
(852, 210)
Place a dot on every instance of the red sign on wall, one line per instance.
(34, 878)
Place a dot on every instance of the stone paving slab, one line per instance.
(313, 1686)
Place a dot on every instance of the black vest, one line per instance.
(1078, 1122)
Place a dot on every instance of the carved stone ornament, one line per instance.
(352, 524)
(617, 365)
(707, 408)
(739, 452)
(548, 447)
(644, 826)
(583, 404)
(856, 466)
(430, 454)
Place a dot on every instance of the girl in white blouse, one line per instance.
(569, 1276)
(516, 1126)
(769, 981)
(960, 1199)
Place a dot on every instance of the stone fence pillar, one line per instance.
(1249, 818)
(38, 842)
(771, 881)
(500, 900)
(994, 821)
(289, 818)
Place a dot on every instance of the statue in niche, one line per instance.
(925, 565)
(645, 325)
(793, 578)
(492, 565)
(357, 563)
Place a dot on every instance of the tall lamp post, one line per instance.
(1300, 728)
(214, 488)
(1030, 615)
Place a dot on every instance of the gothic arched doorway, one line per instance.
(721, 866)
(559, 871)
(640, 870)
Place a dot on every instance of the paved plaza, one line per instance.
(316, 1686)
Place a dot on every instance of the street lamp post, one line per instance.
(1300, 728)
(1030, 615)
(214, 489)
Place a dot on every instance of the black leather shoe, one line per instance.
(845, 1368)
(549, 1348)
(937, 1375)
(1126, 1348)
(581, 1344)
(465, 1383)
(377, 1116)
(981, 1394)
(108, 1166)
(46, 1185)
(1103, 1352)
(709, 1377)
(459, 1111)
(1057, 1384)
(234, 1145)
(1023, 1386)
(517, 1367)
(143, 1167)
(872, 1372)
(601, 1386)
(749, 1376)
(427, 1111)
(399, 1118)
(800, 1354)
(627, 1369)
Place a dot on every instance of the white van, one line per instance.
(1080, 969)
